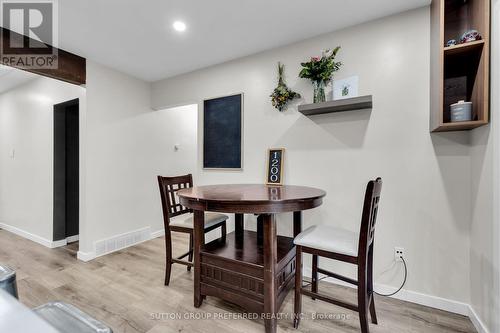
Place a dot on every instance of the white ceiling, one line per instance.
(136, 37)
(11, 78)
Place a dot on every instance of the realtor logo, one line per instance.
(29, 36)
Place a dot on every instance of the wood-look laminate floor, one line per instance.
(125, 290)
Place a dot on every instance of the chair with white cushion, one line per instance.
(178, 218)
(347, 246)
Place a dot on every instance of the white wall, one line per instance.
(178, 126)
(485, 229)
(26, 181)
(426, 197)
(128, 145)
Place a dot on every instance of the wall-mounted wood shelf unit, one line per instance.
(341, 105)
(459, 72)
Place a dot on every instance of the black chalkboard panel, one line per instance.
(275, 166)
(222, 132)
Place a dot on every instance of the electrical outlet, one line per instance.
(399, 253)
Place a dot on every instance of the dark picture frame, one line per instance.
(223, 132)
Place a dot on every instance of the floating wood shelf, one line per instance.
(459, 72)
(341, 105)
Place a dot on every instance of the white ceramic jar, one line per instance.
(461, 111)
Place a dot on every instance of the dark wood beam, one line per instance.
(70, 67)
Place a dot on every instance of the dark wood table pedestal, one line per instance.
(254, 270)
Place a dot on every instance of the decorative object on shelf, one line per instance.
(282, 94)
(451, 42)
(470, 36)
(320, 71)
(461, 111)
(223, 132)
(275, 166)
(346, 88)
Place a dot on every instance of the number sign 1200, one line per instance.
(275, 166)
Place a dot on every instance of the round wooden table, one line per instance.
(252, 269)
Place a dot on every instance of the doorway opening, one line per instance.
(66, 172)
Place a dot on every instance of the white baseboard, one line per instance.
(37, 239)
(59, 243)
(85, 256)
(411, 296)
(116, 243)
(477, 322)
(72, 239)
(422, 299)
(426, 300)
(159, 233)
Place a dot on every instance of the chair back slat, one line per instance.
(169, 199)
(369, 217)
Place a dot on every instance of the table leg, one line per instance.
(199, 241)
(260, 230)
(297, 223)
(270, 263)
(239, 226)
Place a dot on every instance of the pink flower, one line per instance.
(315, 59)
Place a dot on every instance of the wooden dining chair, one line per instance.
(178, 218)
(343, 245)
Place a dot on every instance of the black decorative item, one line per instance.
(275, 166)
(282, 94)
(223, 132)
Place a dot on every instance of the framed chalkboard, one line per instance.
(222, 132)
(275, 162)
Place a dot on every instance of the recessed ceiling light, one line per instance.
(179, 26)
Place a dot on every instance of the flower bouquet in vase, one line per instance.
(320, 71)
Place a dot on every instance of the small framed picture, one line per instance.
(345, 88)
(275, 162)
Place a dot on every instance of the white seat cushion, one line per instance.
(186, 220)
(331, 239)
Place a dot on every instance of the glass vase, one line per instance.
(319, 91)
